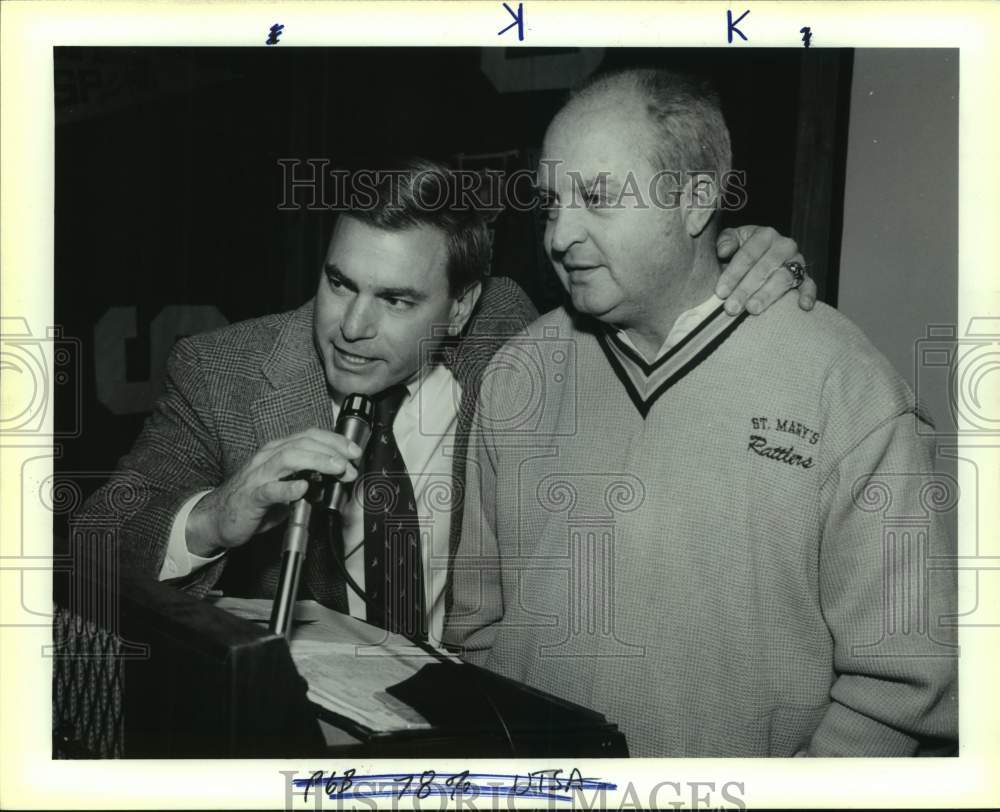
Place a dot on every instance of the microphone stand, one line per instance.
(292, 557)
(354, 423)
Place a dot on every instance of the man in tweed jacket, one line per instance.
(247, 405)
(681, 518)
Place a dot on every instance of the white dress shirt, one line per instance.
(424, 429)
(683, 325)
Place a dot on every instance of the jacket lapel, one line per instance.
(298, 398)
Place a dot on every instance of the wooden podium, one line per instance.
(172, 676)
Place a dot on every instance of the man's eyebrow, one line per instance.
(332, 269)
(401, 292)
(587, 183)
(603, 179)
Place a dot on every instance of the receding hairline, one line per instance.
(594, 99)
(656, 93)
(630, 81)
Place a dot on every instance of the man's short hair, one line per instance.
(690, 131)
(422, 192)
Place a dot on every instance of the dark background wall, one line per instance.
(168, 182)
(899, 273)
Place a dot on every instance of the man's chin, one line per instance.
(594, 306)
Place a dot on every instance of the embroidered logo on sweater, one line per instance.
(782, 450)
(786, 454)
(645, 382)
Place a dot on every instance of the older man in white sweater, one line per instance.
(674, 514)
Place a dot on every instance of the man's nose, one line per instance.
(566, 228)
(359, 320)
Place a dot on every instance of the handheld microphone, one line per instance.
(354, 423)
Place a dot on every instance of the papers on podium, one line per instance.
(348, 663)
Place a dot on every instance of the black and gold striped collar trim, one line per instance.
(644, 381)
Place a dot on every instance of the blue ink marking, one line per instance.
(806, 33)
(538, 785)
(518, 21)
(276, 30)
(731, 26)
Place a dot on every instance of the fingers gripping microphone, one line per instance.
(354, 423)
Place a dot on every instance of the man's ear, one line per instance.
(700, 199)
(462, 307)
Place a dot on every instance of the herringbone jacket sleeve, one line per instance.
(176, 455)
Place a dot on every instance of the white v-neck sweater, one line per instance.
(746, 570)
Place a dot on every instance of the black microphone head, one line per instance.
(355, 423)
(357, 406)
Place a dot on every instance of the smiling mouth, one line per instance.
(349, 359)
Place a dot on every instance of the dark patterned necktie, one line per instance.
(394, 583)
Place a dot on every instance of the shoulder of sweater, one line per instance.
(555, 325)
(814, 338)
(826, 346)
(515, 362)
(557, 322)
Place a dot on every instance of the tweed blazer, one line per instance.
(230, 391)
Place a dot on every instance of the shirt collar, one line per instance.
(683, 325)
